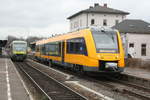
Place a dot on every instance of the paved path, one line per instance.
(138, 72)
(11, 85)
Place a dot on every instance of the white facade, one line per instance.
(138, 40)
(85, 20)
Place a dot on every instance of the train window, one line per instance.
(59, 46)
(37, 48)
(43, 51)
(76, 46)
(19, 46)
(47, 48)
(53, 49)
(40, 47)
(106, 41)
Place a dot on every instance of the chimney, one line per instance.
(96, 4)
(105, 5)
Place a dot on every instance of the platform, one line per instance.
(141, 73)
(11, 84)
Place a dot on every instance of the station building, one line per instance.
(136, 37)
(96, 15)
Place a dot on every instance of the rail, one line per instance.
(51, 88)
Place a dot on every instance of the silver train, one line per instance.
(18, 50)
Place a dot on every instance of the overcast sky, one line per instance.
(22, 18)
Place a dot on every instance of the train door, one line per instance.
(63, 51)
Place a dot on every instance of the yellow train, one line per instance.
(91, 49)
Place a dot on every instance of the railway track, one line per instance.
(118, 85)
(51, 88)
(125, 87)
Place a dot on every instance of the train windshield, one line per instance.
(20, 46)
(106, 41)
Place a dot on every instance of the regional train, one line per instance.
(95, 49)
(18, 50)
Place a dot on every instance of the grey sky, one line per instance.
(24, 18)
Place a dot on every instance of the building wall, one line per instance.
(111, 18)
(78, 22)
(84, 20)
(138, 40)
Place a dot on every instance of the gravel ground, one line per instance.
(31, 88)
(88, 88)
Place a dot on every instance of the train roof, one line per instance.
(61, 37)
(19, 41)
(73, 34)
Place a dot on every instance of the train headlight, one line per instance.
(117, 57)
(100, 57)
(111, 65)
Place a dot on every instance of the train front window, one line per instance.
(19, 47)
(106, 41)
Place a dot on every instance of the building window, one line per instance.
(131, 51)
(143, 49)
(104, 22)
(123, 17)
(131, 45)
(92, 22)
(116, 22)
(37, 48)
